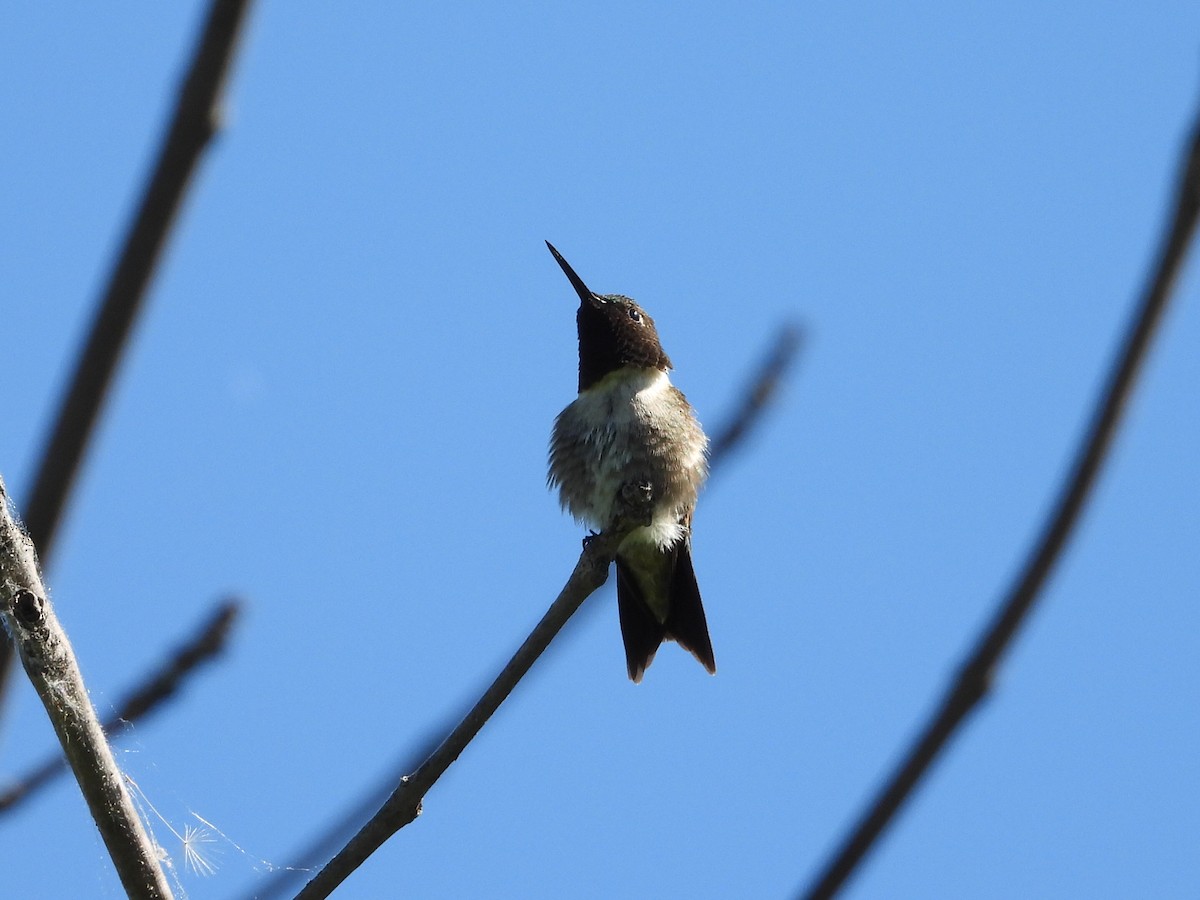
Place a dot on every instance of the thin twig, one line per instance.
(336, 833)
(281, 882)
(975, 677)
(193, 124)
(50, 664)
(404, 805)
(755, 401)
(155, 689)
(758, 396)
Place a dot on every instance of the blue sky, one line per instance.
(339, 400)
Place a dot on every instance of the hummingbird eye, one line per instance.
(635, 314)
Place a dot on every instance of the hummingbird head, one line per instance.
(614, 332)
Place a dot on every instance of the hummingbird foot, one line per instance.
(591, 536)
(635, 502)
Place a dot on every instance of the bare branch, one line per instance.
(758, 396)
(193, 124)
(50, 664)
(335, 834)
(404, 805)
(154, 690)
(162, 684)
(975, 677)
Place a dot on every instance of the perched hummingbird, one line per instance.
(631, 426)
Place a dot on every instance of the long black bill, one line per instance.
(576, 282)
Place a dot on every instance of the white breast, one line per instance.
(630, 419)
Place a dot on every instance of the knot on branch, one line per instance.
(29, 609)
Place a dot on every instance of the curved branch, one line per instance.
(975, 676)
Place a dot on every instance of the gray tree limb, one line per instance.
(404, 805)
(49, 662)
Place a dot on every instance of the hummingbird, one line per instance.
(631, 426)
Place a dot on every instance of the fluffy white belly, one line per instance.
(631, 426)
